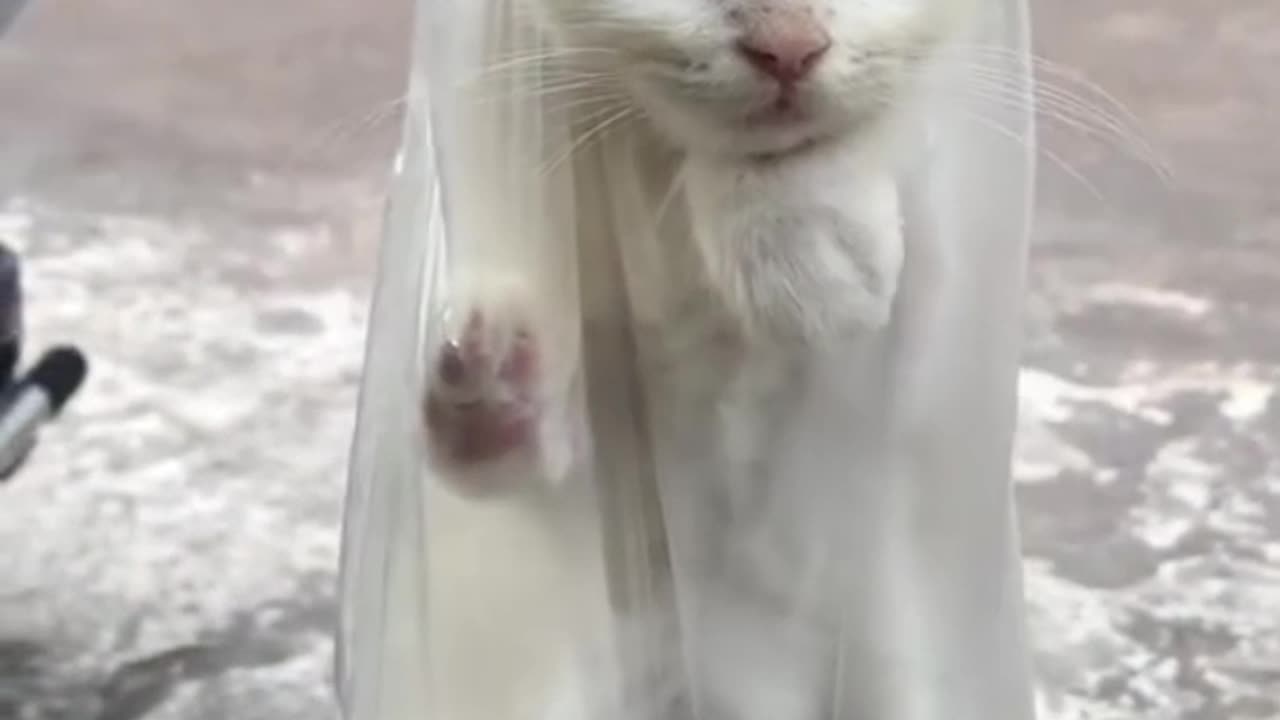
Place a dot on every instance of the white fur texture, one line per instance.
(778, 242)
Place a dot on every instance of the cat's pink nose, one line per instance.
(785, 50)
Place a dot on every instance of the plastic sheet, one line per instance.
(746, 519)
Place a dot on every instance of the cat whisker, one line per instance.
(1053, 78)
(1027, 142)
(677, 184)
(589, 100)
(584, 108)
(350, 127)
(992, 82)
(534, 78)
(1042, 67)
(586, 119)
(558, 60)
(537, 90)
(535, 71)
(1082, 114)
(1072, 114)
(594, 134)
(548, 53)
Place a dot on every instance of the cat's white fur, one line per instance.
(782, 242)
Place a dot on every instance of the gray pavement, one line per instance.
(196, 189)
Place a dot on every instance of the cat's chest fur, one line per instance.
(721, 398)
(738, 280)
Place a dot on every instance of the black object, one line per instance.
(35, 400)
(38, 397)
(59, 374)
(10, 314)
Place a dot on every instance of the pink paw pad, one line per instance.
(480, 403)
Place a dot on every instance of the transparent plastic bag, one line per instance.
(874, 573)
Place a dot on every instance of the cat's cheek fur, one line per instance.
(810, 247)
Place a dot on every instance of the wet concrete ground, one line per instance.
(196, 189)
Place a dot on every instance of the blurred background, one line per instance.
(196, 191)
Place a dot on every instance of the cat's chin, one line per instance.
(793, 152)
(805, 249)
(735, 139)
(754, 148)
(814, 276)
(735, 135)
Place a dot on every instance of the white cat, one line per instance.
(783, 243)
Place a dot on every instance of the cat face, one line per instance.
(755, 77)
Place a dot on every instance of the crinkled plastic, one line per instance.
(578, 600)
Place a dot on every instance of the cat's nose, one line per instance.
(785, 50)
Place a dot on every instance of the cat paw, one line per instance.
(484, 405)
